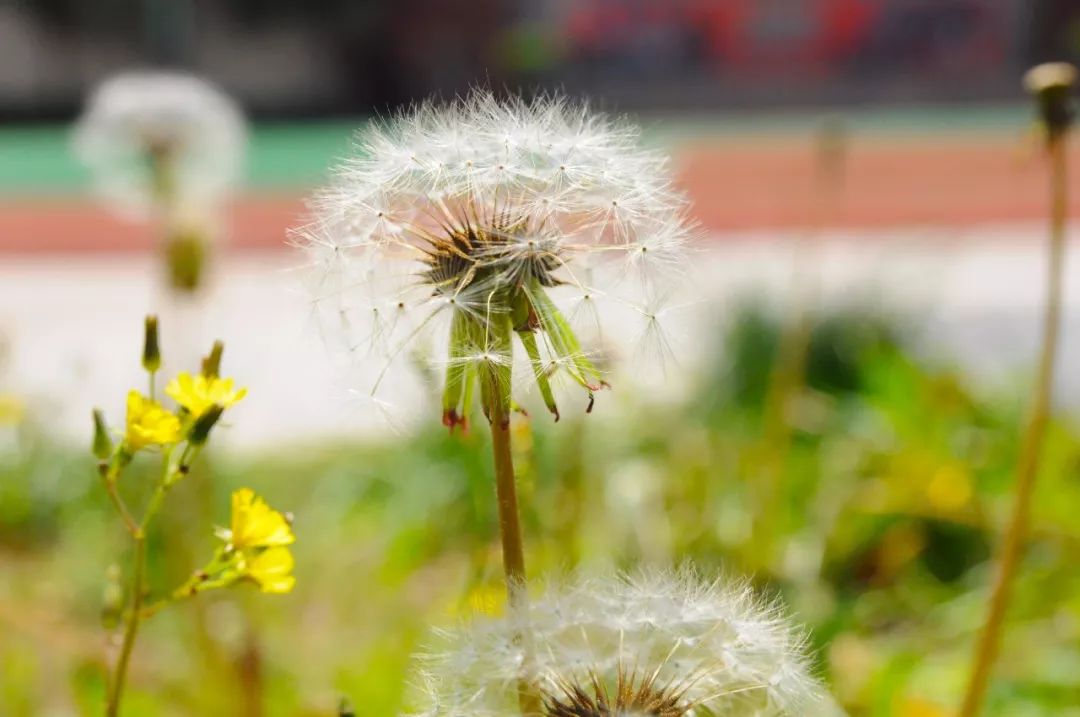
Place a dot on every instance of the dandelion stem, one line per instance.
(506, 493)
(1027, 466)
(131, 630)
(788, 376)
(510, 532)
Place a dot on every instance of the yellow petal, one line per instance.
(198, 393)
(255, 524)
(272, 570)
(148, 423)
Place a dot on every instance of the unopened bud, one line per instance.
(1052, 85)
(211, 363)
(201, 430)
(185, 255)
(151, 355)
(112, 603)
(102, 446)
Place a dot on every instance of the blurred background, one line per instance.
(851, 366)
(285, 59)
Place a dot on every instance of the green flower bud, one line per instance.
(112, 603)
(1052, 84)
(151, 357)
(185, 256)
(103, 445)
(211, 363)
(200, 430)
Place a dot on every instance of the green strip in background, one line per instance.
(36, 160)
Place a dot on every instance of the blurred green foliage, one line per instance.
(875, 520)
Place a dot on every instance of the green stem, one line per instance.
(510, 533)
(509, 520)
(109, 480)
(135, 611)
(116, 687)
(1031, 450)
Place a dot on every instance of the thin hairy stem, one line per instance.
(1031, 450)
(131, 630)
(108, 479)
(135, 612)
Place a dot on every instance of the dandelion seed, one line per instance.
(656, 644)
(492, 207)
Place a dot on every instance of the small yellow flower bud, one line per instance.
(270, 569)
(254, 524)
(151, 357)
(148, 424)
(102, 446)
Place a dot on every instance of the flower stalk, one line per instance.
(788, 374)
(1052, 85)
(255, 548)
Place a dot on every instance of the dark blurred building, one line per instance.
(357, 56)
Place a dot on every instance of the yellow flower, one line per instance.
(11, 410)
(148, 423)
(255, 524)
(198, 393)
(271, 569)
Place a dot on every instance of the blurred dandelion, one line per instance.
(1052, 86)
(464, 222)
(663, 644)
(168, 147)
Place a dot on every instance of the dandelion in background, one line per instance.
(657, 644)
(169, 147)
(468, 224)
(1053, 86)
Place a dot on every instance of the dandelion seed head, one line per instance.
(135, 120)
(499, 210)
(661, 644)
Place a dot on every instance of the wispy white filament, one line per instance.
(204, 127)
(733, 653)
(585, 198)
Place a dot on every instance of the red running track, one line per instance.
(758, 184)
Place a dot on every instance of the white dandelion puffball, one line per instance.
(156, 141)
(488, 223)
(658, 644)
